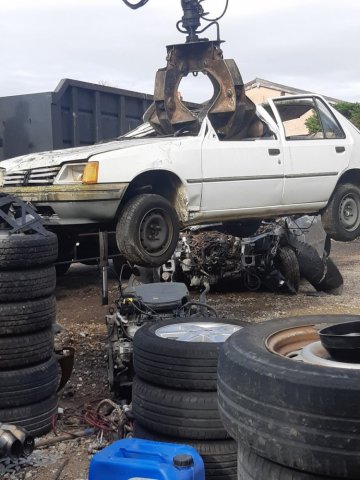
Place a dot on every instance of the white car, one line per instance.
(297, 156)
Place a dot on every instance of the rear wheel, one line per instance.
(148, 230)
(341, 217)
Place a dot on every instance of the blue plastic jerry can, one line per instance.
(135, 459)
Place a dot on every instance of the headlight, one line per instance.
(91, 173)
(71, 173)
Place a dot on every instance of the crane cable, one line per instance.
(134, 6)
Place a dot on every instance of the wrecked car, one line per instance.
(147, 186)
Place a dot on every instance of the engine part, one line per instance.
(210, 257)
(15, 441)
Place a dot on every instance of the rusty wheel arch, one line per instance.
(161, 182)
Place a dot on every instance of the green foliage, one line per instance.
(312, 124)
(350, 111)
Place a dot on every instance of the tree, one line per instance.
(312, 124)
(350, 111)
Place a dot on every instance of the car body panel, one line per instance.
(312, 167)
(220, 179)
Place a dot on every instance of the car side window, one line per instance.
(331, 126)
(300, 118)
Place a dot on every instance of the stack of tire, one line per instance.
(29, 372)
(174, 394)
(292, 420)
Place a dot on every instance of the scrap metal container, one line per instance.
(75, 114)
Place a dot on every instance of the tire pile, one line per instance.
(292, 420)
(174, 394)
(29, 372)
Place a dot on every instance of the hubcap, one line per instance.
(156, 232)
(349, 212)
(303, 344)
(204, 332)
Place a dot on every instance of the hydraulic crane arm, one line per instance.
(229, 110)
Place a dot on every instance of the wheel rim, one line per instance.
(156, 232)
(302, 344)
(204, 332)
(349, 212)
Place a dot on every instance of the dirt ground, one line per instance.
(80, 313)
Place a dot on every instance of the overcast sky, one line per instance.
(309, 44)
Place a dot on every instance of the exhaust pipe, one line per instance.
(15, 441)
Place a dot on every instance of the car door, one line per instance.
(316, 149)
(241, 176)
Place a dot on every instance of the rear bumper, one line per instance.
(73, 204)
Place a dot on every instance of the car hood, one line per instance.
(58, 157)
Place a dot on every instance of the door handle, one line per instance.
(274, 152)
(340, 149)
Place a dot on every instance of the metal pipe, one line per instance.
(15, 441)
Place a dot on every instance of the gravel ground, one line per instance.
(80, 313)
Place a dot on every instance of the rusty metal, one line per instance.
(65, 358)
(287, 341)
(229, 110)
(15, 441)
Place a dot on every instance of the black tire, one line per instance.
(287, 263)
(302, 416)
(175, 364)
(25, 350)
(27, 284)
(177, 414)
(35, 418)
(29, 385)
(25, 251)
(30, 316)
(311, 266)
(133, 230)
(253, 467)
(219, 456)
(336, 219)
(242, 228)
(333, 281)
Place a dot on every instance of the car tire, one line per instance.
(178, 364)
(311, 266)
(242, 228)
(219, 456)
(133, 230)
(27, 284)
(299, 415)
(287, 263)
(25, 350)
(333, 281)
(341, 217)
(36, 418)
(177, 413)
(18, 318)
(27, 251)
(253, 467)
(29, 385)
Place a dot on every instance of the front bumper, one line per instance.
(73, 204)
